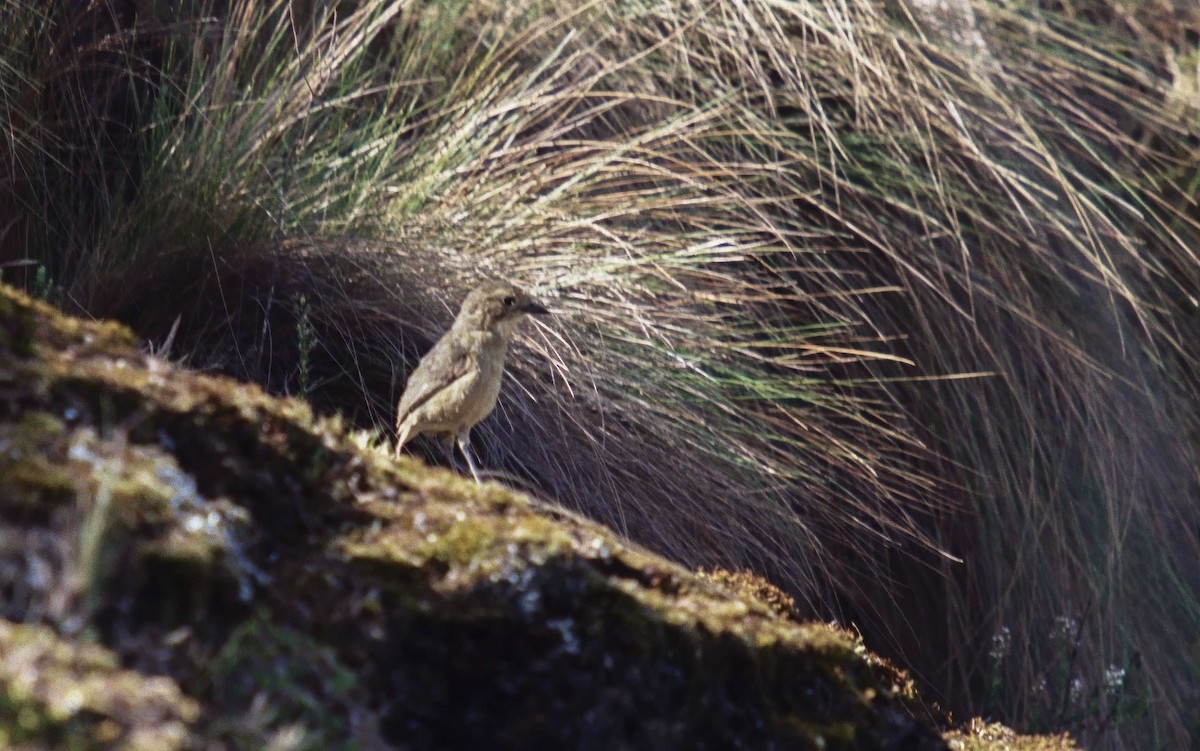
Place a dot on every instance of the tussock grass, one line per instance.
(902, 321)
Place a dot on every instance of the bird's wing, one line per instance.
(441, 366)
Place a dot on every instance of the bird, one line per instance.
(456, 383)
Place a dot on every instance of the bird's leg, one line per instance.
(446, 441)
(464, 445)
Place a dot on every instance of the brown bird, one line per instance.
(457, 382)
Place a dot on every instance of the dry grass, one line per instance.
(840, 298)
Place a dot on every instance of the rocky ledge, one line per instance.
(188, 563)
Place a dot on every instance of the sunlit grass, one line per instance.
(904, 324)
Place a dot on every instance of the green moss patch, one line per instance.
(58, 693)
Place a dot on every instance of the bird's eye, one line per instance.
(510, 301)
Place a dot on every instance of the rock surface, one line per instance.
(188, 563)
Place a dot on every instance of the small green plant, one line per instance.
(1065, 694)
(1000, 649)
(43, 285)
(306, 339)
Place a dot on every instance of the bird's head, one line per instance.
(497, 306)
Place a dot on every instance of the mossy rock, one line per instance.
(299, 585)
(61, 694)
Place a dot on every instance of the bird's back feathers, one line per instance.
(445, 363)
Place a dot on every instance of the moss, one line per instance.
(465, 543)
(56, 693)
(592, 616)
(751, 585)
(16, 333)
(34, 484)
(35, 481)
(979, 735)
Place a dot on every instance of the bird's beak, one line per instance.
(535, 307)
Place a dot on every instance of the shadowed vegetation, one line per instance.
(268, 581)
(896, 309)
